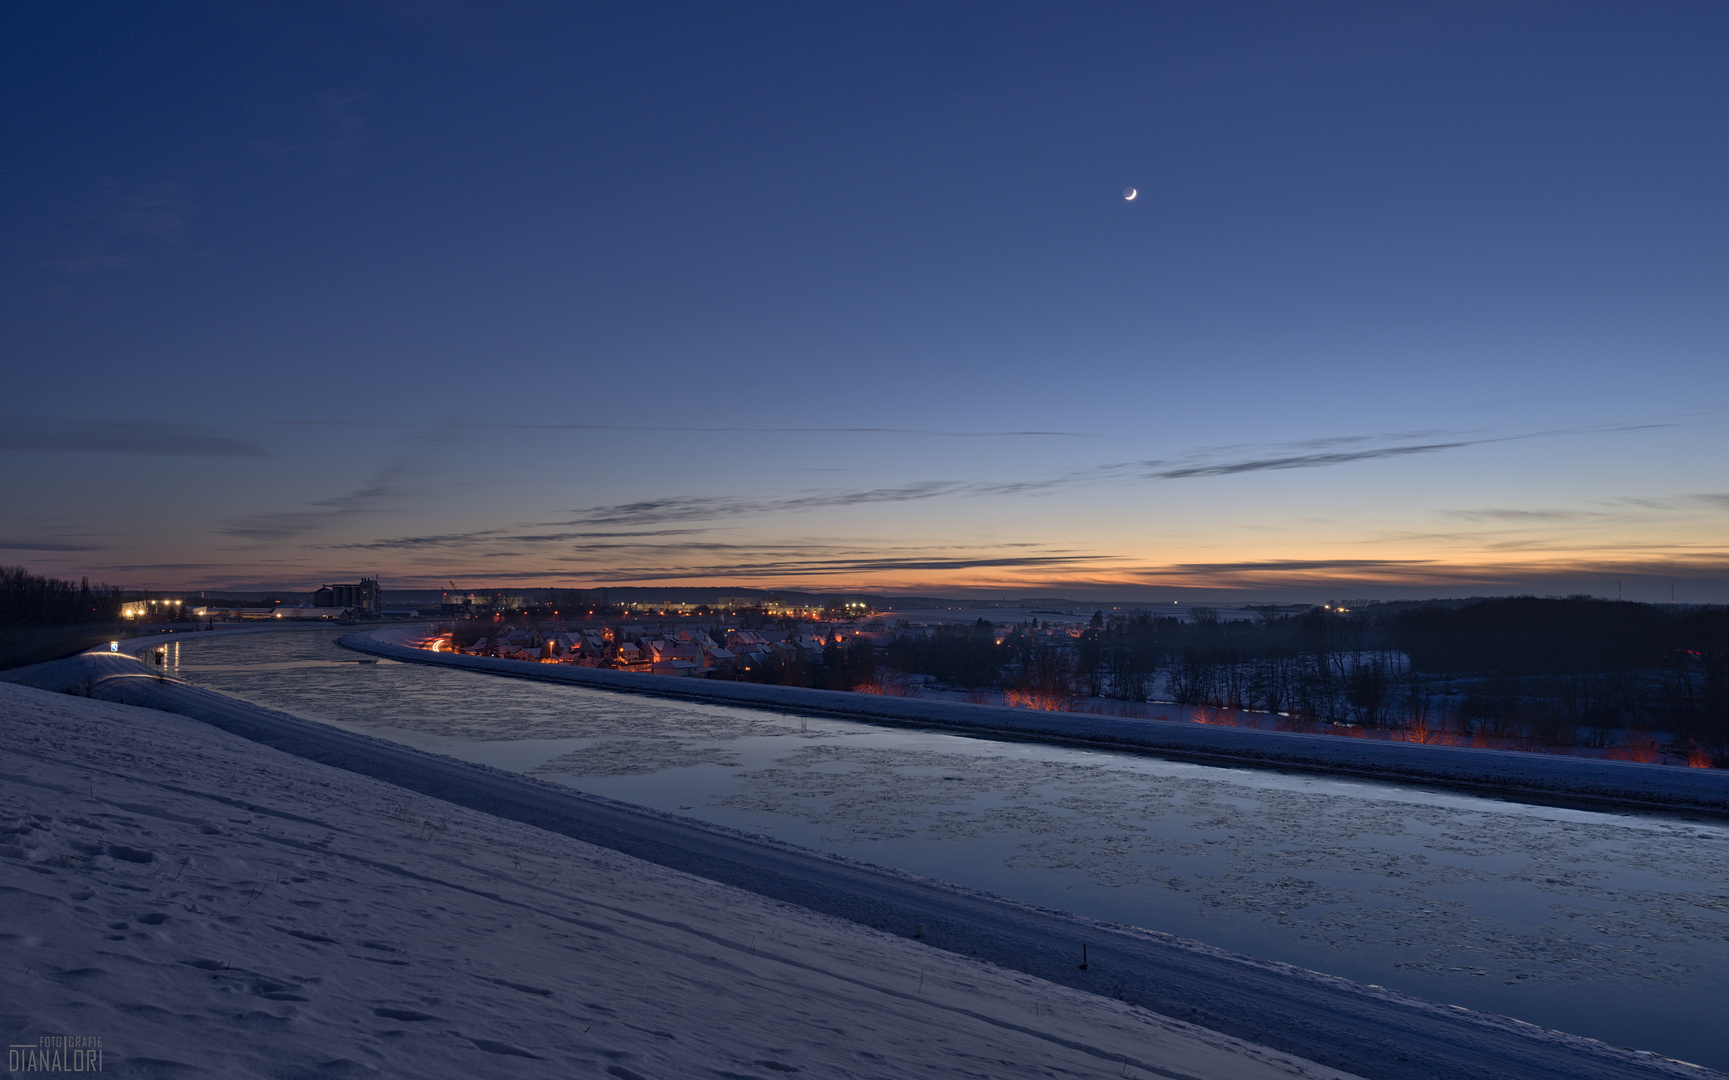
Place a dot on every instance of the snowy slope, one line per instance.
(1622, 783)
(208, 906)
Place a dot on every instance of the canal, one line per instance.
(1613, 926)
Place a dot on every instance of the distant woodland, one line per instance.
(28, 600)
(1529, 672)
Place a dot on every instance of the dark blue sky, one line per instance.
(1420, 298)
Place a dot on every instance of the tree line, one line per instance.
(1528, 671)
(28, 600)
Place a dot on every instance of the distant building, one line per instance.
(365, 597)
(471, 603)
(151, 609)
(325, 611)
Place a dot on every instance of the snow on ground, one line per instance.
(205, 905)
(1619, 782)
(1365, 1030)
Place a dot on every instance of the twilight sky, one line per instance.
(1415, 300)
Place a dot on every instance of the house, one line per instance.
(530, 638)
(744, 640)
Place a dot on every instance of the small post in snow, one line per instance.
(1083, 956)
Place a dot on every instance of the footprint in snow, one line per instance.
(519, 986)
(493, 1047)
(303, 935)
(274, 991)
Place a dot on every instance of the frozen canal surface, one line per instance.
(1613, 926)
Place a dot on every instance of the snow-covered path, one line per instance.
(1362, 1029)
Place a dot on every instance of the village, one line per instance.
(712, 650)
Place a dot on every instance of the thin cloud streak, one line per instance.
(1396, 446)
(121, 229)
(44, 545)
(275, 525)
(1285, 566)
(693, 429)
(1527, 573)
(794, 568)
(130, 437)
(702, 507)
(1615, 509)
(498, 536)
(1532, 516)
(1301, 461)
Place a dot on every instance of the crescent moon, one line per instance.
(1129, 194)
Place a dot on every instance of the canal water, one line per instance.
(1609, 925)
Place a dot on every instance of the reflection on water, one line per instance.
(1607, 925)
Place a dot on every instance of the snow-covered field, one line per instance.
(204, 905)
